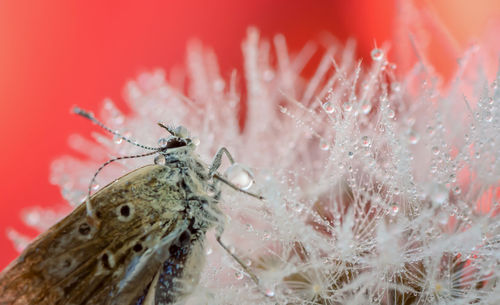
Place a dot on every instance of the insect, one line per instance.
(139, 240)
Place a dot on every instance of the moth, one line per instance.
(139, 240)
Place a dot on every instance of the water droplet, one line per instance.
(208, 251)
(488, 117)
(366, 141)
(435, 150)
(195, 140)
(249, 227)
(299, 208)
(453, 178)
(347, 106)
(241, 176)
(211, 191)
(390, 113)
(238, 275)
(162, 142)
(366, 107)
(95, 186)
(395, 86)
(117, 139)
(323, 145)
(266, 235)
(181, 132)
(329, 108)
(439, 194)
(457, 190)
(118, 119)
(413, 137)
(269, 292)
(377, 54)
(394, 210)
(160, 159)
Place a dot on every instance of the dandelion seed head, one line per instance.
(375, 193)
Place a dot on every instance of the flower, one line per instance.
(378, 189)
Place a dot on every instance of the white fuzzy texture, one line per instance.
(378, 190)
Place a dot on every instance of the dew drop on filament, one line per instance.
(377, 54)
(394, 210)
(329, 108)
(240, 176)
(238, 275)
(323, 145)
(117, 139)
(413, 137)
(439, 194)
(347, 106)
(269, 292)
(366, 141)
(366, 107)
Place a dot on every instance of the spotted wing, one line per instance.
(76, 262)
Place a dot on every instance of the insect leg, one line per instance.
(235, 187)
(254, 278)
(218, 160)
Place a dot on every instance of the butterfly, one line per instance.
(139, 240)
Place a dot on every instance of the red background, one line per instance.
(55, 54)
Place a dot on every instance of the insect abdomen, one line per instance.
(179, 274)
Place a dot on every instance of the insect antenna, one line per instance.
(90, 116)
(169, 129)
(90, 211)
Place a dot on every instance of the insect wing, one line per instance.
(78, 262)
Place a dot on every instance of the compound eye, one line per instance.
(175, 142)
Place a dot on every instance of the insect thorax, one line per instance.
(201, 191)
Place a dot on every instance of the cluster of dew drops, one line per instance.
(378, 56)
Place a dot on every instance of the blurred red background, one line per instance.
(55, 54)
